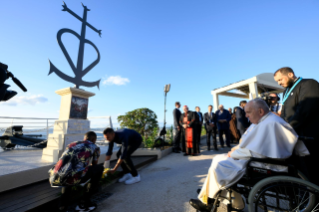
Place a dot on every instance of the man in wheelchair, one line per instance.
(269, 136)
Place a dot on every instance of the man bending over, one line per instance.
(269, 136)
(130, 140)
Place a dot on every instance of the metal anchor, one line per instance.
(78, 70)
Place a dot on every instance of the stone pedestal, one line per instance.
(72, 123)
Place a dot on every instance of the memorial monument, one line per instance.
(72, 123)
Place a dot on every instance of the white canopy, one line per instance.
(249, 88)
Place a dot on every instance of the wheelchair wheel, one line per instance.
(284, 193)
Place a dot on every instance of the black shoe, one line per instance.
(185, 154)
(198, 190)
(87, 207)
(216, 149)
(229, 146)
(198, 205)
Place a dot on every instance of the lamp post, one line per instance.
(166, 90)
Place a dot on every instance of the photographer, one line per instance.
(300, 109)
(275, 107)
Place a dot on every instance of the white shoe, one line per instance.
(125, 177)
(133, 180)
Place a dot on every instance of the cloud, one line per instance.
(26, 100)
(115, 80)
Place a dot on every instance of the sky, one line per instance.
(195, 45)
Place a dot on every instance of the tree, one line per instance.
(143, 120)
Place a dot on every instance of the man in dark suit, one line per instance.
(178, 128)
(222, 120)
(300, 109)
(242, 121)
(198, 125)
(210, 126)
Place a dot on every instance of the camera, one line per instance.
(6, 94)
(267, 98)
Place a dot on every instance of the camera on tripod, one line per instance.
(6, 94)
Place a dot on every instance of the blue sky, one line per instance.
(196, 45)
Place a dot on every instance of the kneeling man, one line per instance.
(269, 136)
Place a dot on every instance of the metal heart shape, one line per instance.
(77, 80)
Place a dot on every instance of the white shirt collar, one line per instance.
(264, 117)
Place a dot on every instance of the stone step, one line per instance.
(50, 154)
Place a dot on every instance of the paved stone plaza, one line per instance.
(166, 185)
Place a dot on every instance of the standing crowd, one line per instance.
(188, 127)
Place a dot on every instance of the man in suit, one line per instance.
(300, 109)
(210, 126)
(198, 125)
(242, 121)
(222, 119)
(178, 128)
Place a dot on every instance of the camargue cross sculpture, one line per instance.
(78, 70)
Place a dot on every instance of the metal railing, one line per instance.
(37, 125)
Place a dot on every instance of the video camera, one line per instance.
(5, 94)
(266, 96)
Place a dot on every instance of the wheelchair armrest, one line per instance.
(268, 160)
(282, 162)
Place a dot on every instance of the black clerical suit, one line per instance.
(178, 129)
(210, 131)
(301, 111)
(242, 121)
(198, 127)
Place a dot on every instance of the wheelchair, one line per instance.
(268, 190)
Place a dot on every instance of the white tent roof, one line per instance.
(265, 82)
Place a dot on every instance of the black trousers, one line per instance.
(94, 173)
(221, 139)
(209, 133)
(177, 139)
(311, 161)
(127, 164)
(198, 132)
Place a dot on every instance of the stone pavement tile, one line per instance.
(167, 185)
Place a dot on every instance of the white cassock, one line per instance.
(272, 137)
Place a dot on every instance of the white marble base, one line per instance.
(64, 133)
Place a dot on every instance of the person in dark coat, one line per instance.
(187, 121)
(198, 125)
(242, 121)
(222, 120)
(177, 127)
(300, 109)
(234, 134)
(210, 126)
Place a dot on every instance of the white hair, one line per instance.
(259, 103)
